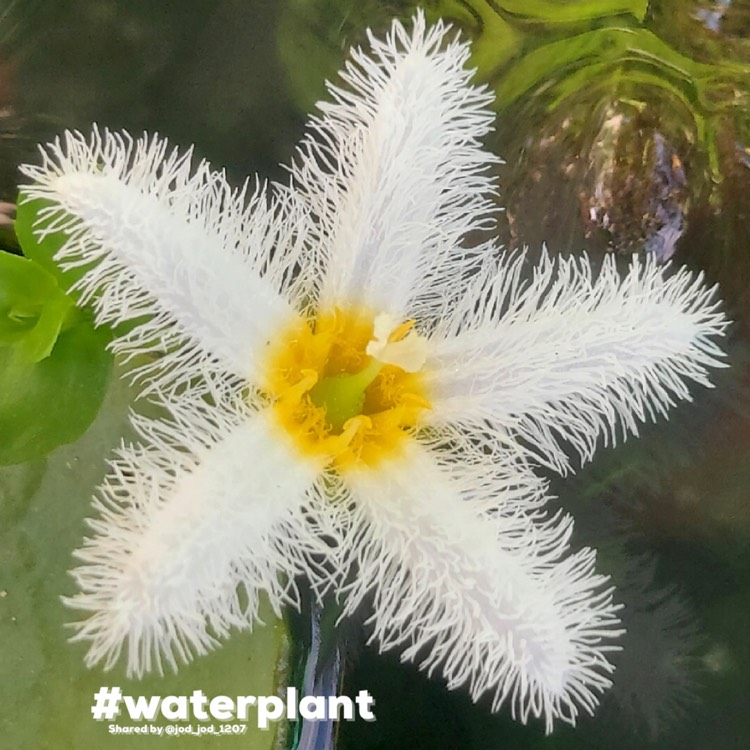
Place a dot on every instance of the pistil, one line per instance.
(343, 396)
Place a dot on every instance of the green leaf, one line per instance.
(54, 367)
(52, 402)
(30, 221)
(572, 11)
(32, 308)
(45, 690)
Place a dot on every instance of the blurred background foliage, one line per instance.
(625, 128)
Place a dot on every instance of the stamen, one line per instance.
(294, 393)
(346, 385)
(335, 445)
(400, 332)
(397, 344)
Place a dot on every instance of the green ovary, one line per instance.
(343, 396)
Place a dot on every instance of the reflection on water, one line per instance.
(625, 127)
(713, 17)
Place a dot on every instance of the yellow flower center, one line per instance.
(347, 385)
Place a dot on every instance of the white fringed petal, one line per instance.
(172, 244)
(190, 530)
(394, 173)
(570, 356)
(479, 595)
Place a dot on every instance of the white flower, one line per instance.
(352, 387)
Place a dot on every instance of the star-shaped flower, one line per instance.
(356, 394)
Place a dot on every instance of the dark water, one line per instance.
(630, 130)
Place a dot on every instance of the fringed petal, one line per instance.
(207, 272)
(394, 173)
(568, 357)
(192, 527)
(481, 595)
